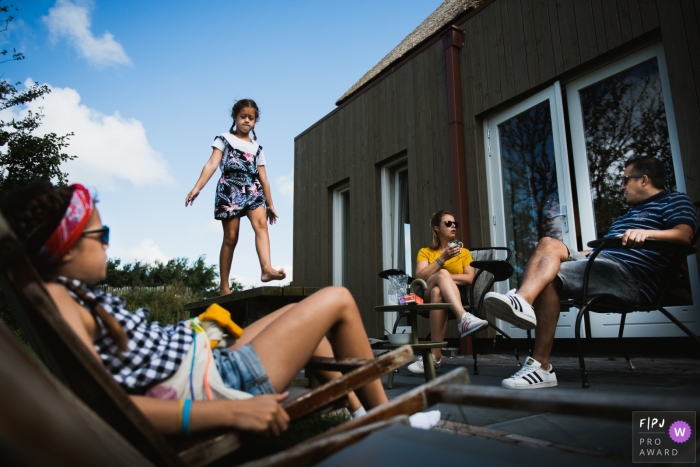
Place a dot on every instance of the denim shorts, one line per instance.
(608, 277)
(241, 369)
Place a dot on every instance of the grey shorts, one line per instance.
(241, 369)
(608, 277)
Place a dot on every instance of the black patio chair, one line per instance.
(677, 255)
(489, 270)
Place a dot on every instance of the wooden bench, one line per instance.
(250, 305)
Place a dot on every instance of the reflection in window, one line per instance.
(530, 190)
(623, 116)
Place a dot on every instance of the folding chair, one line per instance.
(676, 254)
(489, 270)
(71, 362)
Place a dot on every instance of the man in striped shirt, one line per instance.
(632, 274)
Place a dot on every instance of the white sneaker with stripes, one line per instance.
(511, 308)
(470, 324)
(531, 376)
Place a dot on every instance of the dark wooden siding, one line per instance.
(403, 115)
(512, 48)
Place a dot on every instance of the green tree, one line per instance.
(200, 278)
(25, 157)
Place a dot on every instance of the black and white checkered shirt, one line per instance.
(154, 351)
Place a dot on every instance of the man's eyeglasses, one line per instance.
(625, 178)
(104, 238)
(450, 223)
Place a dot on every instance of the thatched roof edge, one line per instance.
(442, 16)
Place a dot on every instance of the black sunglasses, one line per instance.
(104, 230)
(626, 178)
(449, 223)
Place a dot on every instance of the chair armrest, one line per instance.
(611, 243)
(500, 269)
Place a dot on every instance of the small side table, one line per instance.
(424, 347)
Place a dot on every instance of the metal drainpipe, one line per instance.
(452, 41)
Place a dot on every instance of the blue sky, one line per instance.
(146, 86)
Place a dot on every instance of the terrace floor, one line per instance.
(664, 377)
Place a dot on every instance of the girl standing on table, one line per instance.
(243, 190)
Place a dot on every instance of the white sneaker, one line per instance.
(531, 376)
(511, 308)
(417, 367)
(470, 323)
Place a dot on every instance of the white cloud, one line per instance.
(108, 147)
(71, 22)
(147, 252)
(285, 187)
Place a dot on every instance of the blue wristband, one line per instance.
(186, 409)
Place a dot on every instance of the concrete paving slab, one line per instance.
(664, 377)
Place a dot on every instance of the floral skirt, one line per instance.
(237, 193)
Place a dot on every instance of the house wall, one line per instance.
(404, 114)
(513, 48)
(516, 48)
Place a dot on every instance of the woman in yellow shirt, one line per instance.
(444, 266)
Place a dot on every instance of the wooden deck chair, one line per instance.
(454, 388)
(43, 423)
(68, 359)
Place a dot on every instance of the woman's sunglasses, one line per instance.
(450, 223)
(104, 238)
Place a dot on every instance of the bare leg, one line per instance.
(448, 289)
(542, 268)
(547, 310)
(226, 256)
(262, 244)
(286, 344)
(322, 350)
(438, 321)
(541, 288)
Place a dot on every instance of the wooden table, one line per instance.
(424, 347)
(250, 305)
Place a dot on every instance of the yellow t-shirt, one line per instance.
(454, 265)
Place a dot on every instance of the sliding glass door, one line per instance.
(530, 193)
(615, 112)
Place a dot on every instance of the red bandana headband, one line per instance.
(71, 227)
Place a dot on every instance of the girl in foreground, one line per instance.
(243, 190)
(64, 235)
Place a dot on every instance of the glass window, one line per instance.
(623, 116)
(341, 236)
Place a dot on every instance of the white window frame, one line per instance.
(390, 205)
(339, 227)
(565, 326)
(653, 324)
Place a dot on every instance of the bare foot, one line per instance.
(224, 290)
(272, 275)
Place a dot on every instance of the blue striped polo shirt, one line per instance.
(662, 211)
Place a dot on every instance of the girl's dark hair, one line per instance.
(114, 328)
(240, 105)
(33, 213)
(435, 220)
